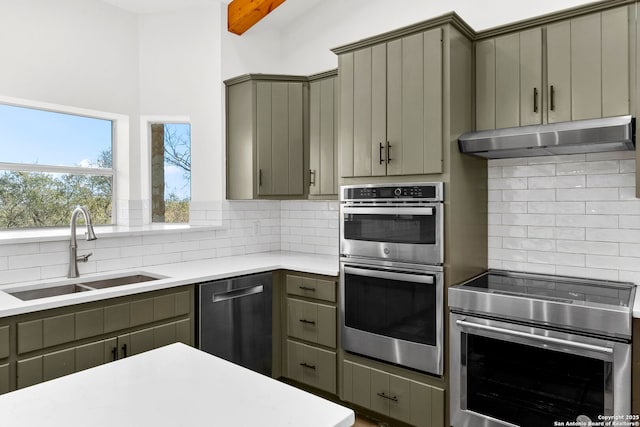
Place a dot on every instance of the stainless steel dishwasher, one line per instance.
(235, 320)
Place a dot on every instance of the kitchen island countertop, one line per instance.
(175, 385)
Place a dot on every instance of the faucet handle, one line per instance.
(84, 258)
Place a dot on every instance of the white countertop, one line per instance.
(174, 275)
(175, 385)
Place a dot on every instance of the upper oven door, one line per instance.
(393, 232)
(506, 374)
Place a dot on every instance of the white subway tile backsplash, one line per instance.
(583, 168)
(582, 217)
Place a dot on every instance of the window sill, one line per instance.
(8, 237)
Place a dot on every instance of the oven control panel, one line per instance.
(425, 191)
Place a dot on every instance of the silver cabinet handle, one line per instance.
(551, 340)
(237, 293)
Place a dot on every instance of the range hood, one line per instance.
(580, 136)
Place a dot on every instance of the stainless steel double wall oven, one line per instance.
(391, 256)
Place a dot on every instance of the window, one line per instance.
(170, 172)
(49, 163)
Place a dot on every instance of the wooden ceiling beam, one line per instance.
(243, 14)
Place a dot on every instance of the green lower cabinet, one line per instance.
(4, 342)
(400, 398)
(5, 379)
(312, 365)
(58, 364)
(29, 372)
(95, 354)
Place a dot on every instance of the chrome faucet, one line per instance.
(73, 245)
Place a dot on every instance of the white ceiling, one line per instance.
(284, 14)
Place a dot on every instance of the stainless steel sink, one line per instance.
(118, 281)
(51, 291)
(90, 285)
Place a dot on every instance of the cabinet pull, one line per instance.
(394, 398)
(308, 322)
(306, 365)
(552, 98)
(259, 177)
(312, 177)
(388, 152)
(380, 153)
(114, 352)
(535, 99)
(306, 288)
(124, 350)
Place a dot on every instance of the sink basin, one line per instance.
(117, 281)
(91, 285)
(51, 291)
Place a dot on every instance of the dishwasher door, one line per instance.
(235, 320)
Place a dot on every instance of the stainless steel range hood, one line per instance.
(580, 136)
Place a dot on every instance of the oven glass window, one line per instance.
(530, 386)
(411, 229)
(392, 308)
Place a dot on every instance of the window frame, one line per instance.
(119, 137)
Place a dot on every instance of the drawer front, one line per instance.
(4, 342)
(311, 365)
(312, 322)
(311, 288)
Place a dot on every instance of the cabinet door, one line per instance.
(5, 382)
(508, 81)
(531, 77)
(312, 322)
(58, 364)
(29, 371)
(414, 104)
(485, 84)
(4, 342)
(95, 354)
(89, 323)
(322, 137)
(369, 111)
(615, 62)
(400, 398)
(559, 72)
(313, 366)
(586, 67)
(279, 135)
(380, 396)
(58, 329)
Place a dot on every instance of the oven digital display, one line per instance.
(391, 192)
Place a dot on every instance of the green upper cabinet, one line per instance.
(323, 134)
(391, 107)
(573, 69)
(266, 136)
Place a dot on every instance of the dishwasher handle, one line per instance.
(237, 293)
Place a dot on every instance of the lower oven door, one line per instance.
(393, 314)
(505, 374)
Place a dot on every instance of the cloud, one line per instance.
(172, 170)
(86, 163)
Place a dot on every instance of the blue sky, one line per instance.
(47, 138)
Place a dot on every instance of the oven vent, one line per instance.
(575, 137)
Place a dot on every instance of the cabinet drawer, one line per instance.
(311, 288)
(311, 365)
(312, 322)
(4, 378)
(398, 397)
(4, 342)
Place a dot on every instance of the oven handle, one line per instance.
(551, 340)
(393, 275)
(388, 211)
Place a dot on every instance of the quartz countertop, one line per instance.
(175, 385)
(171, 275)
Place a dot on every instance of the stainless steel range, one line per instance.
(391, 274)
(530, 350)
